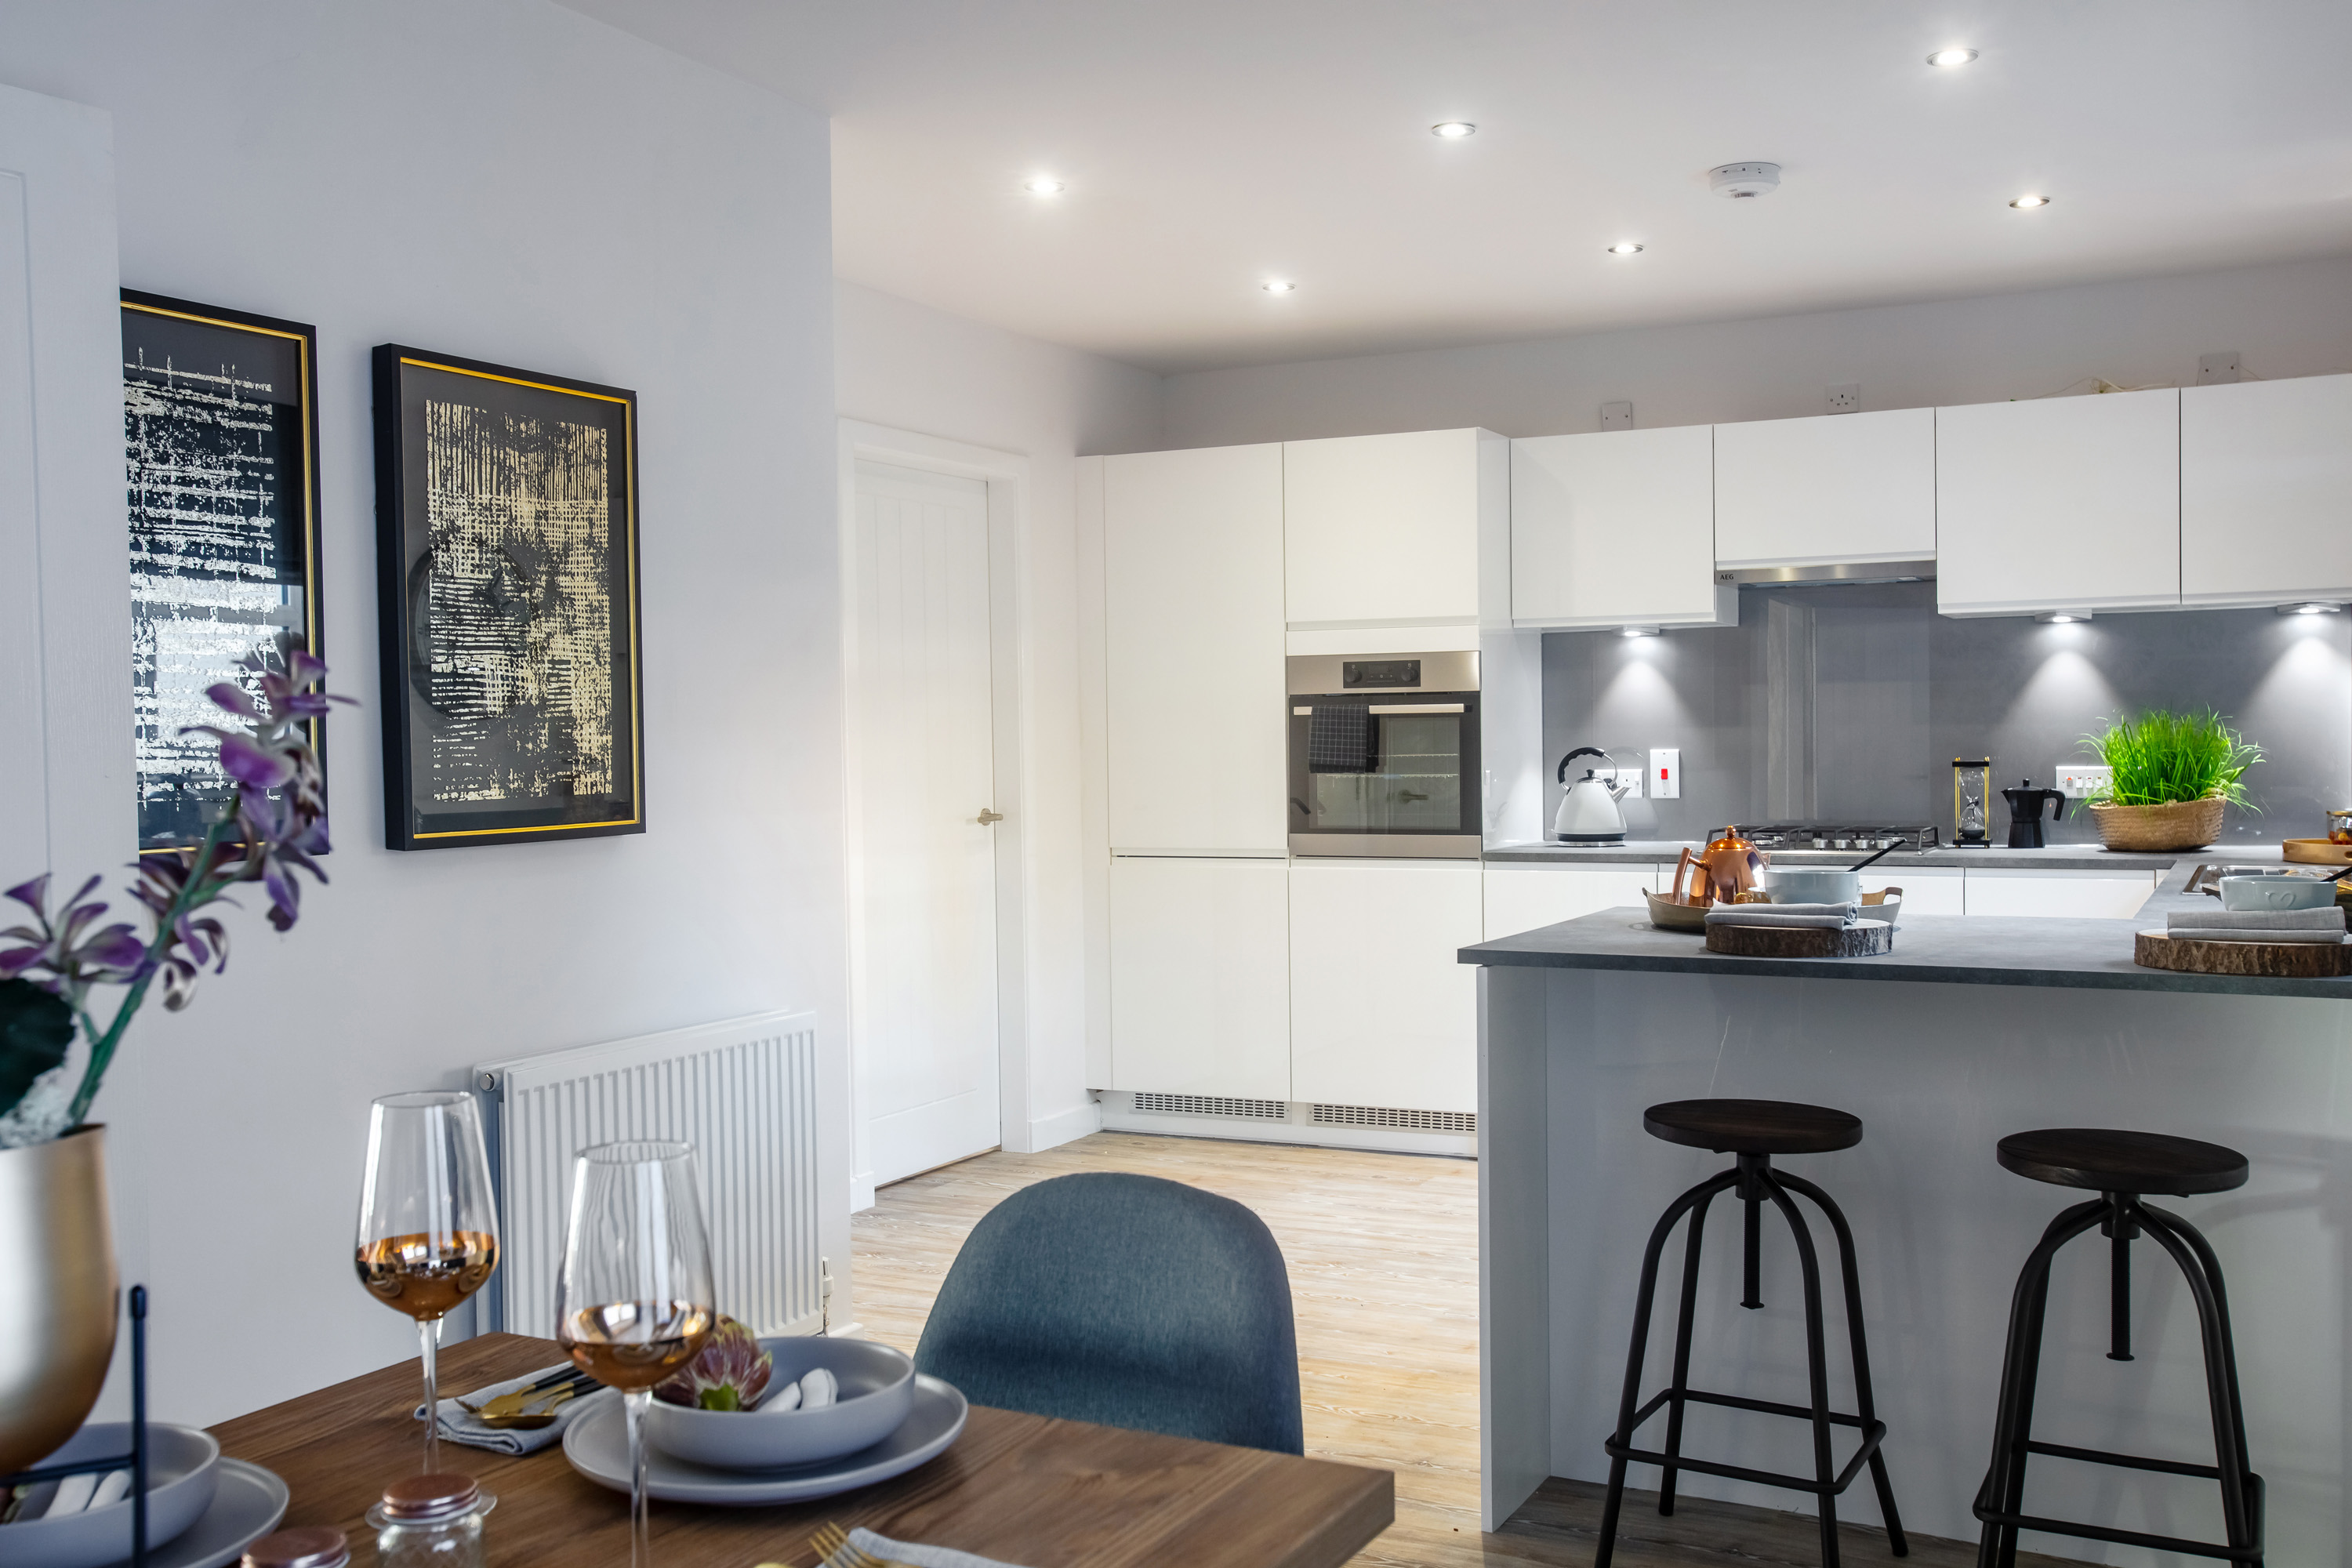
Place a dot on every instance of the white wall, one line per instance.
(2289, 319)
(914, 368)
(504, 180)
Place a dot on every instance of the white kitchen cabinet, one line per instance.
(1616, 529)
(1380, 1014)
(1193, 643)
(2087, 895)
(2059, 503)
(1383, 530)
(1926, 889)
(1832, 489)
(1200, 977)
(1519, 896)
(2266, 491)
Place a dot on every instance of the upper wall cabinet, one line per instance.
(1833, 489)
(2266, 491)
(1193, 644)
(1616, 529)
(2059, 503)
(1383, 530)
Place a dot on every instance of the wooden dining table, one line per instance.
(1028, 1489)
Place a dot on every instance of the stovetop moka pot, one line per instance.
(2025, 804)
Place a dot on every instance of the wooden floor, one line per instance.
(1384, 1258)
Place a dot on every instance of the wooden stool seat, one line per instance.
(1754, 1126)
(2105, 1160)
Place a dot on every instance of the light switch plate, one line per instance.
(1667, 773)
(2076, 780)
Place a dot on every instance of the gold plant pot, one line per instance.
(60, 1295)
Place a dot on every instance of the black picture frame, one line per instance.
(221, 474)
(508, 586)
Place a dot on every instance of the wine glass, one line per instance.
(428, 1233)
(636, 1300)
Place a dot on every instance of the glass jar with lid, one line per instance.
(308, 1546)
(431, 1522)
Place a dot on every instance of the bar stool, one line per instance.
(2120, 1167)
(1753, 1130)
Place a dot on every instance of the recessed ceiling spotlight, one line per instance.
(2030, 202)
(2315, 607)
(1624, 247)
(1041, 186)
(1949, 58)
(1742, 180)
(1453, 129)
(1278, 286)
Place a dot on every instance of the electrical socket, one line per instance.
(2076, 780)
(1845, 397)
(1616, 416)
(2218, 370)
(1629, 777)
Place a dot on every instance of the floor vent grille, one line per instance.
(1214, 1105)
(1381, 1116)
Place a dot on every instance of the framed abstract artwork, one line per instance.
(220, 432)
(507, 572)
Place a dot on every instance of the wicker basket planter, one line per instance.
(2177, 824)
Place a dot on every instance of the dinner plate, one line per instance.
(246, 1505)
(597, 1444)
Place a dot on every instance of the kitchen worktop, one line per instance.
(2056, 858)
(1972, 950)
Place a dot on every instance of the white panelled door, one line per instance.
(924, 883)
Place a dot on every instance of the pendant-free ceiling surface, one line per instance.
(1209, 147)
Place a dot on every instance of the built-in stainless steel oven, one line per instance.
(1385, 755)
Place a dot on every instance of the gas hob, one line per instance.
(1811, 836)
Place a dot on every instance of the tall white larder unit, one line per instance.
(1200, 977)
(1616, 527)
(1196, 728)
(1382, 531)
(2266, 491)
(1831, 489)
(2059, 503)
(1383, 1017)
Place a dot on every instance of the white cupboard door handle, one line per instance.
(987, 817)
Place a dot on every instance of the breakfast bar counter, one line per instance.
(1970, 1029)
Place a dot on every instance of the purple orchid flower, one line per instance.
(58, 956)
(730, 1373)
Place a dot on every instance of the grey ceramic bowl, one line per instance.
(183, 1468)
(878, 1390)
(2276, 892)
(1812, 885)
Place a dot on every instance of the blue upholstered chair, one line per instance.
(1126, 1300)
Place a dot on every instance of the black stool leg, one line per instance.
(1817, 1363)
(2004, 1484)
(1865, 1405)
(1681, 1387)
(2202, 1271)
(1607, 1547)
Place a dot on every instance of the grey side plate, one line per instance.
(247, 1506)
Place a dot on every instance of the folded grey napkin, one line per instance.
(2330, 919)
(2238, 933)
(918, 1555)
(1814, 917)
(459, 1425)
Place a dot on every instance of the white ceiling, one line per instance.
(1209, 144)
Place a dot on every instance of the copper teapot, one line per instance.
(1722, 872)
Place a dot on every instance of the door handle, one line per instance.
(987, 817)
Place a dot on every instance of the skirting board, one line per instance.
(1120, 1115)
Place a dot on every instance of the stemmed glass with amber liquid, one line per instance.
(637, 1299)
(428, 1234)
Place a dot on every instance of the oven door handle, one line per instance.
(1418, 707)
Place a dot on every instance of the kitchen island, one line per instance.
(1972, 1028)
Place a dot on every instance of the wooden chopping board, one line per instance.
(1863, 939)
(2268, 959)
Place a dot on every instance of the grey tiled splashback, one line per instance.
(1848, 705)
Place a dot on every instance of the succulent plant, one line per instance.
(731, 1373)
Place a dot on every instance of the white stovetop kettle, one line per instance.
(1588, 812)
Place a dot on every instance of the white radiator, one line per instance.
(742, 1092)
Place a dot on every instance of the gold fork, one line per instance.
(833, 1549)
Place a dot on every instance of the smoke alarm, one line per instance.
(1740, 181)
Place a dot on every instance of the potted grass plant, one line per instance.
(2170, 777)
